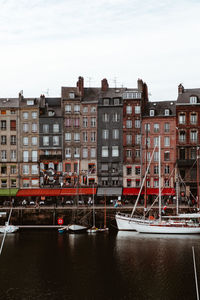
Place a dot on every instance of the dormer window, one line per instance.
(51, 113)
(30, 102)
(106, 101)
(152, 113)
(116, 101)
(71, 95)
(193, 99)
(166, 112)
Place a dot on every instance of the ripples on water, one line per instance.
(125, 265)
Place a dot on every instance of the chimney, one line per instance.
(80, 86)
(140, 84)
(104, 85)
(180, 89)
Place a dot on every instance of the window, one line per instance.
(147, 127)
(85, 152)
(34, 182)
(167, 155)
(3, 154)
(68, 108)
(25, 156)
(155, 156)
(131, 95)
(68, 152)
(13, 170)
(182, 118)
(85, 137)
(25, 127)
(193, 153)
(93, 152)
(67, 168)
(137, 183)
(148, 142)
(34, 169)
(76, 122)
(116, 101)
(68, 122)
(34, 127)
(76, 152)
(25, 115)
(25, 182)
(116, 117)
(137, 170)
(128, 183)
(71, 95)
(85, 109)
(128, 123)
(137, 109)
(137, 139)
(128, 139)
(166, 182)
(3, 140)
(137, 123)
(129, 171)
(156, 183)
(93, 122)
(193, 118)
(45, 140)
(193, 136)
(3, 183)
(77, 137)
(85, 122)
(55, 140)
(105, 134)
(13, 139)
(182, 136)
(156, 127)
(55, 128)
(34, 155)
(137, 153)
(93, 137)
(30, 102)
(166, 141)
(167, 169)
(104, 181)
(105, 117)
(34, 140)
(129, 110)
(76, 108)
(13, 125)
(3, 112)
(13, 154)
(166, 112)
(93, 109)
(182, 153)
(152, 112)
(128, 153)
(34, 114)
(3, 125)
(25, 141)
(3, 169)
(193, 99)
(148, 156)
(115, 134)
(45, 128)
(166, 127)
(156, 169)
(104, 151)
(106, 101)
(104, 167)
(13, 112)
(115, 151)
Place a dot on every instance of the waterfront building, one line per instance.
(159, 120)
(188, 128)
(50, 142)
(110, 141)
(9, 149)
(28, 142)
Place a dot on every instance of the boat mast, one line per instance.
(105, 212)
(177, 191)
(197, 177)
(145, 184)
(93, 208)
(159, 168)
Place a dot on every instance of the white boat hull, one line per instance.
(169, 229)
(127, 223)
(77, 228)
(8, 229)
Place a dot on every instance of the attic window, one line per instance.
(30, 102)
(106, 101)
(71, 95)
(166, 112)
(193, 99)
(152, 113)
(51, 113)
(116, 101)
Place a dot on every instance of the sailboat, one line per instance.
(7, 228)
(74, 227)
(179, 224)
(93, 229)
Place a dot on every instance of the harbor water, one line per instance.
(43, 264)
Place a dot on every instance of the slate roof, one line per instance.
(185, 96)
(9, 102)
(160, 107)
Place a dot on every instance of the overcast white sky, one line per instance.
(46, 44)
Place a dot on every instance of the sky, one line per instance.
(47, 44)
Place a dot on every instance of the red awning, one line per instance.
(38, 192)
(150, 191)
(81, 191)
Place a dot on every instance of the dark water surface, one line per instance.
(47, 265)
